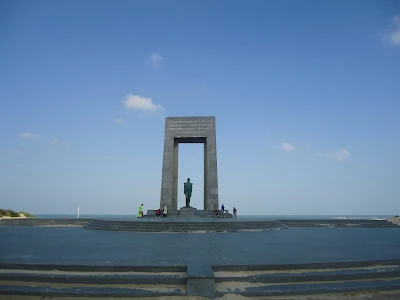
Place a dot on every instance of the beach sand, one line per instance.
(21, 216)
(395, 220)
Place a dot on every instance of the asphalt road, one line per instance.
(70, 245)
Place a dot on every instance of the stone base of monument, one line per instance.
(198, 213)
(187, 212)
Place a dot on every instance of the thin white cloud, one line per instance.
(393, 34)
(29, 136)
(137, 102)
(120, 121)
(58, 141)
(287, 147)
(156, 60)
(55, 140)
(339, 155)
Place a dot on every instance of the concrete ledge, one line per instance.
(338, 223)
(305, 276)
(153, 224)
(327, 265)
(200, 281)
(319, 288)
(93, 268)
(199, 271)
(95, 279)
(48, 291)
(188, 224)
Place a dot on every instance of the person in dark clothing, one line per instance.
(216, 213)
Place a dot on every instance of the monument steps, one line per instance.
(93, 282)
(312, 288)
(334, 222)
(93, 279)
(194, 230)
(310, 275)
(184, 223)
(200, 280)
(223, 225)
(329, 278)
(339, 223)
(209, 224)
(179, 227)
(344, 225)
(79, 291)
(165, 226)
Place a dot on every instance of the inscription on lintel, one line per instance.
(190, 127)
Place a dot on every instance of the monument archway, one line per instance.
(189, 130)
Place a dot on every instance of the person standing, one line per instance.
(140, 211)
(165, 211)
(234, 211)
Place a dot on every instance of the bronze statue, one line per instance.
(187, 190)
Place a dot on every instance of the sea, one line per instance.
(247, 217)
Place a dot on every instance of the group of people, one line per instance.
(163, 210)
(221, 213)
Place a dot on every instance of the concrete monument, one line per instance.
(189, 130)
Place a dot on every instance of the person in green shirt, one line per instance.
(140, 211)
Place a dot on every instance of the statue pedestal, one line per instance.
(187, 212)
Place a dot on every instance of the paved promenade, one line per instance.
(69, 245)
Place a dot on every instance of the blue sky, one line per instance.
(305, 94)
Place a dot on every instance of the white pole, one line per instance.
(78, 213)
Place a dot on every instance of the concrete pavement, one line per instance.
(69, 245)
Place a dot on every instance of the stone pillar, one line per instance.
(175, 181)
(211, 176)
(167, 185)
(205, 176)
